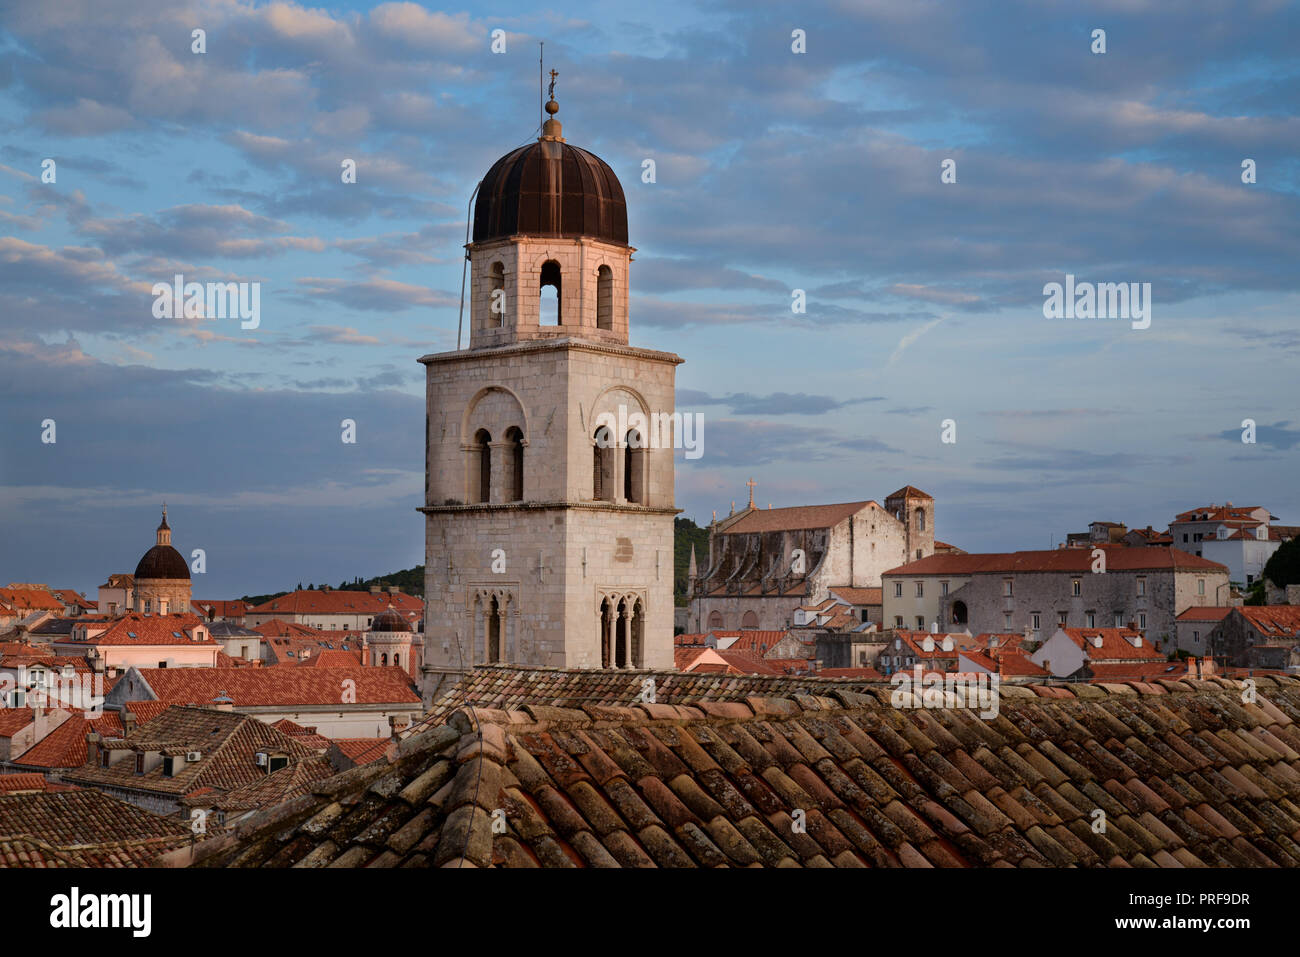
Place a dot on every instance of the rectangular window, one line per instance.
(1119, 619)
(920, 589)
(1060, 618)
(139, 762)
(1076, 587)
(1142, 587)
(943, 588)
(1006, 621)
(898, 621)
(920, 623)
(898, 589)
(1092, 619)
(1142, 622)
(1200, 586)
(1184, 536)
(1038, 621)
(1196, 636)
(1006, 588)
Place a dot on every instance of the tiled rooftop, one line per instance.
(254, 687)
(1118, 558)
(82, 828)
(1186, 773)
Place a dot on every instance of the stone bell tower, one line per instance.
(549, 475)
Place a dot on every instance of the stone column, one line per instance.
(502, 470)
(627, 637)
(611, 636)
(501, 633)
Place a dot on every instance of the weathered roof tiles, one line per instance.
(1186, 773)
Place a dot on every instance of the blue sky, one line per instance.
(775, 171)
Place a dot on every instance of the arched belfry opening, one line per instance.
(481, 480)
(548, 310)
(604, 298)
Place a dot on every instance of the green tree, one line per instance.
(1284, 567)
(685, 534)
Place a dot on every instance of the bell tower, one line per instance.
(549, 475)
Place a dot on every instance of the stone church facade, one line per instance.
(548, 504)
(765, 563)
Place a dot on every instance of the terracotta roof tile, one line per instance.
(1118, 558)
(672, 784)
(254, 687)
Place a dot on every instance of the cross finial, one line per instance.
(752, 485)
(551, 90)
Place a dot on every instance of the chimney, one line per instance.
(128, 722)
(223, 702)
(92, 747)
(375, 589)
(398, 723)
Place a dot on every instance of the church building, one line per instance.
(548, 502)
(763, 564)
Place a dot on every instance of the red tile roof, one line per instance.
(66, 745)
(362, 750)
(1138, 671)
(336, 602)
(1274, 621)
(13, 720)
(1205, 613)
(227, 744)
(83, 827)
(789, 519)
(757, 642)
(29, 781)
(1217, 513)
(268, 687)
(137, 629)
(859, 596)
(909, 491)
(868, 674)
(1118, 558)
(1008, 664)
(1115, 643)
(30, 599)
(220, 608)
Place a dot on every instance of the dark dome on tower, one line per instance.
(162, 561)
(389, 620)
(550, 188)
